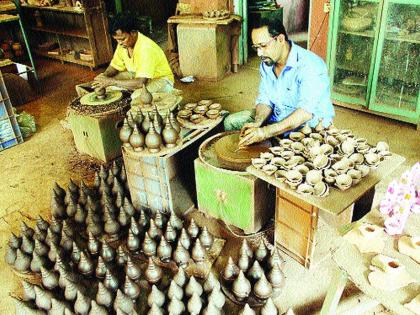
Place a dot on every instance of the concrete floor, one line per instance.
(30, 169)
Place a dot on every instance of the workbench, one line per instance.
(296, 215)
(207, 49)
(354, 266)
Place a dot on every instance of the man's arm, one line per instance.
(110, 72)
(262, 112)
(107, 78)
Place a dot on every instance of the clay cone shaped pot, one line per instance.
(193, 287)
(66, 242)
(246, 249)
(121, 256)
(42, 224)
(155, 310)
(26, 230)
(28, 291)
(37, 262)
(185, 239)
(145, 96)
(156, 123)
(211, 309)
(164, 250)
(153, 140)
(180, 277)
(59, 307)
(111, 281)
(176, 307)
(217, 298)
(100, 269)
(131, 289)
(51, 238)
(55, 225)
(22, 262)
(156, 297)
(276, 258)
(97, 309)
(125, 133)
(153, 272)
(24, 308)
(175, 221)
(244, 261)
(82, 304)
(104, 296)
(170, 233)
(49, 279)
(262, 288)
(15, 241)
(154, 232)
(133, 242)
(136, 139)
(231, 270)
(206, 238)
(145, 125)
(159, 220)
(59, 191)
(194, 304)
(247, 310)
(70, 291)
(174, 122)
(255, 272)
(241, 287)
(198, 252)
(149, 245)
(107, 252)
(80, 215)
(57, 207)
(93, 244)
(43, 298)
(211, 283)
(85, 265)
(175, 291)
(269, 308)
(169, 134)
(193, 229)
(157, 114)
(39, 234)
(261, 252)
(75, 254)
(276, 277)
(10, 256)
(128, 207)
(132, 270)
(124, 303)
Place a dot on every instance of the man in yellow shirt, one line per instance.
(137, 60)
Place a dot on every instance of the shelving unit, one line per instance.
(382, 48)
(73, 30)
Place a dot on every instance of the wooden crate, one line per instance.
(163, 183)
(97, 136)
(244, 201)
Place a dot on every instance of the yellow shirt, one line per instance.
(148, 60)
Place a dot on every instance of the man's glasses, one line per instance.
(263, 45)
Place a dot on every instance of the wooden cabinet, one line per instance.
(373, 57)
(69, 34)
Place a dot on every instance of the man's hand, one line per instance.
(252, 135)
(249, 126)
(102, 81)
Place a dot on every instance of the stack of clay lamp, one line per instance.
(149, 132)
(257, 277)
(197, 112)
(75, 253)
(312, 160)
(216, 14)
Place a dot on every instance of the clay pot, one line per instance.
(132, 270)
(145, 125)
(125, 133)
(93, 244)
(180, 277)
(241, 287)
(82, 304)
(247, 310)
(149, 245)
(185, 239)
(175, 291)
(276, 277)
(156, 297)
(49, 279)
(28, 291)
(96, 309)
(269, 308)
(43, 298)
(155, 310)
(181, 256)
(176, 307)
(124, 303)
(157, 121)
(136, 139)
(153, 140)
(153, 272)
(244, 261)
(15, 241)
(211, 309)
(174, 122)
(27, 245)
(24, 308)
(255, 272)
(198, 252)
(194, 304)
(121, 256)
(101, 268)
(193, 229)
(131, 289)
(104, 296)
(22, 262)
(261, 252)
(193, 287)
(276, 259)
(70, 291)
(206, 238)
(169, 134)
(10, 256)
(133, 242)
(217, 298)
(145, 96)
(85, 265)
(164, 250)
(170, 233)
(111, 281)
(262, 288)
(211, 283)
(107, 252)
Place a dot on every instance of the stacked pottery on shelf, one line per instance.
(149, 132)
(312, 160)
(256, 277)
(199, 112)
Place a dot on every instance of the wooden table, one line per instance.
(296, 215)
(354, 266)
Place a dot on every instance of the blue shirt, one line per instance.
(303, 83)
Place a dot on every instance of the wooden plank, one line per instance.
(294, 242)
(198, 19)
(338, 201)
(293, 216)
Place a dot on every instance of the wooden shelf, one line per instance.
(55, 8)
(370, 34)
(74, 33)
(410, 38)
(67, 58)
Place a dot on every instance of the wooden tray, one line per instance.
(207, 122)
(216, 18)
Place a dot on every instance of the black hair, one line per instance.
(126, 22)
(274, 25)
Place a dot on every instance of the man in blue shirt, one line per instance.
(294, 88)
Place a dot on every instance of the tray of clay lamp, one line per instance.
(163, 102)
(200, 115)
(216, 15)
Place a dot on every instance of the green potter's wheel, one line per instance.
(93, 100)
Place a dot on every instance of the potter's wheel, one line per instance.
(93, 100)
(220, 151)
(90, 105)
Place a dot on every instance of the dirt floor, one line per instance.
(30, 169)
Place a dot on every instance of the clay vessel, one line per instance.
(55, 225)
(193, 287)
(96, 309)
(37, 262)
(104, 296)
(125, 133)
(156, 297)
(246, 249)
(100, 269)
(59, 307)
(28, 291)
(80, 215)
(66, 242)
(211, 283)
(211, 309)
(157, 122)
(169, 134)
(145, 96)
(194, 304)
(93, 244)
(175, 291)
(153, 140)
(10, 256)
(231, 270)
(145, 125)
(85, 265)
(170, 233)
(42, 298)
(39, 234)
(241, 287)
(244, 261)
(49, 279)
(149, 245)
(22, 262)
(131, 289)
(153, 272)
(255, 272)
(14, 241)
(217, 298)
(174, 122)
(157, 114)
(164, 250)
(132, 270)
(276, 277)
(82, 304)
(75, 254)
(276, 258)
(136, 139)
(181, 256)
(60, 192)
(111, 281)
(51, 238)
(134, 227)
(24, 308)
(262, 288)
(180, 277)
(124, 303)
(133, 242)
(57, 208)
(154, 232)
(121, 256)
(193, 229)
(70, 291)
(159, 220)
(176, 307)
(269, 308)
(261, 252)
(198, 252)
(185, 239)
(128, 207)
(247, 310)
(155, 310)
(206, 238)
(107, 252)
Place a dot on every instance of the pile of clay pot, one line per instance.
(313, 160)
(198, 112)
(148, 132)
(216, 14)
(256, 278)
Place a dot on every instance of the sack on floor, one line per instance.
(26, 123)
